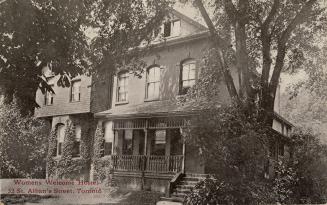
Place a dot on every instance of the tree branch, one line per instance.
(231, 10)
(219, 43)
(281, 45)
(271, 14)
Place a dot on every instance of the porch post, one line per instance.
(184, 149)
(146, 138)
(183, 162)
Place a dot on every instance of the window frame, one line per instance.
(72, 91)
(171, 24)
(183, 90)
(60, 139)
(147, 83)
(126, 84)
(108, 125)
(46, 97)
(77, 142)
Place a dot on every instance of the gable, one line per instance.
(178, 25)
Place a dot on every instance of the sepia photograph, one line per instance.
(163, 102)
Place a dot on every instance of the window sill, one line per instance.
(152, 99)
(49, 105)
(106, 156)
(57, 158)
(121, 103)
(77, 158)
(75, 101)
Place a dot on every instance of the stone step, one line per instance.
(181, 190)
(172, 199)
(196, 175)
(179, 195)
(188, 183)
(193, 179)
(186, 186)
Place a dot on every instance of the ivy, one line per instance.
(102, 165)
(67, 166)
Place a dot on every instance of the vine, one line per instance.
(102, 165)
(67, 166)
(52, 145)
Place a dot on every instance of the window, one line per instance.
(77, 142)
(153, 83)
(128, 142)
(49, 97)
(122, 87)
(108, 138)
(187, 76)
(60, 139)
(281, 149)
(159, 142)
(172, 28)
(76, 91)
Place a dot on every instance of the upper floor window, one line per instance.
(60, 138)
(122, 87)
(77, 141)
(76, 91)
(172, 28)
(187, 76)
(153, 83)
(49, 97)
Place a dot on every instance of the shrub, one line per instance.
(23, 144)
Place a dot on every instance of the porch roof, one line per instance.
(154, 109)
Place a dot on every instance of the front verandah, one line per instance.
(146, 145)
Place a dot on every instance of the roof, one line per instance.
(188, 19)
(154, 109)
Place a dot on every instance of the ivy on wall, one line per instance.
(102, 165)
(67, 166)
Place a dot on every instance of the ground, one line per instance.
(119, 197)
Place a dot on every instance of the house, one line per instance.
(133, 127)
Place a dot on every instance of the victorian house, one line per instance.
(138, 120)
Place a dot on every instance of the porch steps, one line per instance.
(185, 186)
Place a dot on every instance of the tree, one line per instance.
(304, 101)
(310, 163)
(22, 144)
(270, 37)
(39, 33)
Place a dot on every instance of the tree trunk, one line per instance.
(219, 44)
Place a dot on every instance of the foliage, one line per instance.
(310, 164)
(284, 182)
(102, 165)
(213, 191)
(23, 142)
(306, 110)
(67, 166)
(268, 37)
(71, 37)
(235, 144)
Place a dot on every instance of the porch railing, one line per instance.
(148, 163)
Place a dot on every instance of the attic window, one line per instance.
(172, 28)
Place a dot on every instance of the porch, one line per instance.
(151, 145)
(148, 163)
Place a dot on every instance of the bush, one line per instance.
(23, 144)
(212, 191)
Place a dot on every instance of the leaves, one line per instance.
(39, 33)
(26, 134)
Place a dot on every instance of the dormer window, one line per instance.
(76, 91)
(172, 28)
(49, 97)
